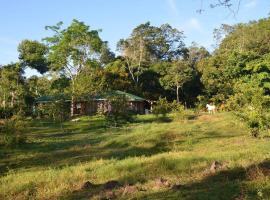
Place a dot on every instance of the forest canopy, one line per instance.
(152, 62)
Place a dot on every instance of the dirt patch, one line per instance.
(129, 189)
(161, 182)
(208, 118)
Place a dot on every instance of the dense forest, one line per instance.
(153, 62)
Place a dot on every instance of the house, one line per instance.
(91, 105)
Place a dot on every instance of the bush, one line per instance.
(6, 112)
(57, 111)
(255, 120)
(11, 132)
(180, 112)
(116, 111)
(249, 102)
(162, 107)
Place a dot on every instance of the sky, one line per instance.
(26, 19)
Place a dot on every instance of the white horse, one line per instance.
(211, 108)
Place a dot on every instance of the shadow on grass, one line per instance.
(59, 157)
(62, 153)
(84, 146)
(153, 118)
(227, 184)
(223, 185)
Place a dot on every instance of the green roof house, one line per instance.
(90, 105)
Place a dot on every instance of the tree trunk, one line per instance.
(177, 93)
(72, 97)
(12, 99)
(4, 101)
(72, 106)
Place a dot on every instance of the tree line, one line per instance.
(153, 62)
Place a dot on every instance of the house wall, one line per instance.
(91, 107)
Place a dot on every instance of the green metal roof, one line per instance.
(130, 97)
(45, 99)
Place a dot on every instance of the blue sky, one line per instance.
(26, 19)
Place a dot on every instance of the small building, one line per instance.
(91, 105)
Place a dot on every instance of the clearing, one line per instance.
(146, 159)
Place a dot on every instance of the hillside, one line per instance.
(147, 159)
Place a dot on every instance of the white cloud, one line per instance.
(193, 24)
(251, 4)
(173, 7)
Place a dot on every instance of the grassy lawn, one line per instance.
(149, 159)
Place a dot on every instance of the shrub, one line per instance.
(249, 103)
(6, 112)
(162, 107)
(202, 101)
(116, 111)
(12, 130)
(176, 107)
(181, 113)
(254, 118)
(57, 111)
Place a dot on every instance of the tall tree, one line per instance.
(175, 75)
(148, 44)
(71, 49)
(12, 86)
(33, 54)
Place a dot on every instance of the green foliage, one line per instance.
(250, 103)
(6, 112)
(33, 54)
(116, 110)
(55, 164)
(14, 92)
(71, 51)
(147, 45)
(180, 112)
(162, 107)
(12, 131)
(90, 82)
(175, 75)
(239, 54)
(117, 77)
(58, 110)
(72, 48)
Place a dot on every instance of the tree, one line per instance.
(71, 49)
(90, 82)
(148, 44)
(12, 84)
(33, 54)
(249, 102)
(239, 54)
(117, 76)
(106, 55)
(175, 75)
(39, 86)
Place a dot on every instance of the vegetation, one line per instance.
(55, 165)
(12, 131)
(117, 111)
(153, 62)
(175, 152)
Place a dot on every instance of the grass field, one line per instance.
(149, 159)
